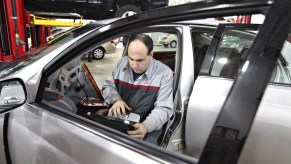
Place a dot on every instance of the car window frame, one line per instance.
(173, 28)
(208, 62)
(248, 88)
(198, 28)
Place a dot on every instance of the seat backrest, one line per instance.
(58, 100)
(168, 58)
(235, 62)
(69, 73)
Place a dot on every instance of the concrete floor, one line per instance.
(101, 69)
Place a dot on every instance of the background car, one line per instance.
(99, 52)
(225, 97)
(169, 39)
(91, 10)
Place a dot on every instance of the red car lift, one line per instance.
(15, 29)
(12, 29)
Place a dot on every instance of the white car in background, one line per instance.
(168, 39)
(106, 48)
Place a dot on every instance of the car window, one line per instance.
(281, 72)
(231, 52)
(35, 54)
(165, 45)
(165, 48)
(74, 80)
(201, 39)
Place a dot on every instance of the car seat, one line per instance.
(61, 82)
(69, 74)
(168, 59)
(56, 99)
(234, 64)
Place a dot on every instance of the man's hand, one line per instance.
(140, 130)
(118, 108)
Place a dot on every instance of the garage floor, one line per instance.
(101, 69)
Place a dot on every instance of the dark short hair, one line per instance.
(145, 39)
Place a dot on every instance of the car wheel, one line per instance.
(173, 44)
(126, 11)
(165, 45)
(98, 53)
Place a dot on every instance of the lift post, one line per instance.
(13, 35)
(17, 26)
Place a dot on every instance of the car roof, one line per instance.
(207, 21)
(104, 21)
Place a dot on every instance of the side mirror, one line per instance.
(12, 94)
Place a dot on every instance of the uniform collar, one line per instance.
(149, 72)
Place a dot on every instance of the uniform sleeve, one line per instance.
(109, 90)
(163, 109)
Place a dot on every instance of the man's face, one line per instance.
(139, 59)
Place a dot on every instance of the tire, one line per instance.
(173, 44)
(127, 10)
(98, 53)
(165, 45)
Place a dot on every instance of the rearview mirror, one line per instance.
(12, 94)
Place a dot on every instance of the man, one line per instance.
(142, 85)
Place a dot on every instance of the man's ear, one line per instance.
(152, 54)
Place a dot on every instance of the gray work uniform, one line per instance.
(150, 95)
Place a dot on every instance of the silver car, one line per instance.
(106, 48)
(168, 39)
(231, 102)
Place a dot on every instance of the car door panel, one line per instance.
(207, 98)
(210, 91)
(270, 131)
(270, 127)
(230, 121)
(2, 153)
(35, 129)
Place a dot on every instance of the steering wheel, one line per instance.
(92, 81)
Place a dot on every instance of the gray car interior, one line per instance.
(64, 88)
(69, 88)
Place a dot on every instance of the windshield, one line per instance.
(29, 57)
